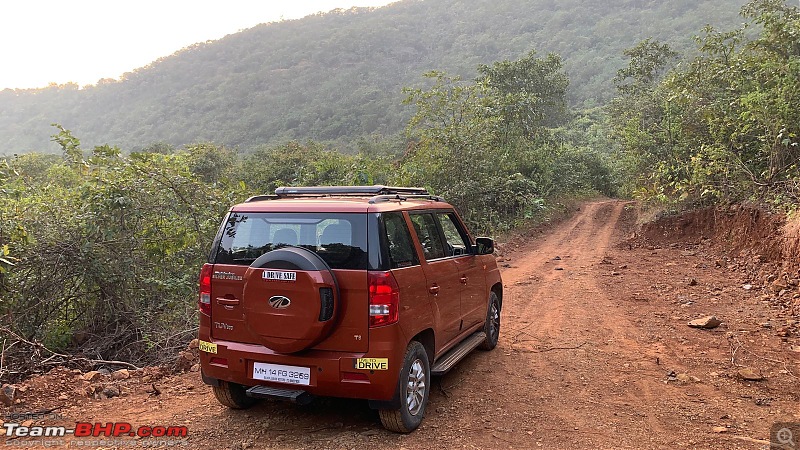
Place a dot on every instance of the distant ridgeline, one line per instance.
(338, 76)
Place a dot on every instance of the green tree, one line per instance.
(70, 146)
(641, 116)
(209, 162)
(486, 146)
(724, 125)
(531, 91)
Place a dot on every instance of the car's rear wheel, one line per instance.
(492, 325)
(414, 387)
(233, 395)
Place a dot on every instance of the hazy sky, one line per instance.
(44, 41)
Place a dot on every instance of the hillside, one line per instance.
(339, 76)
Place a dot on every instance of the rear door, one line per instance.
(339, 239)
(441, 275)
(471, 274)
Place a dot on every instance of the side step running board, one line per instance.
(456, 354)
(299, 397)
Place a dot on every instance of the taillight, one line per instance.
(204, 299)
(384, 299)
(219, 361)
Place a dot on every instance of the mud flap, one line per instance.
(394, 403)
(209, 380)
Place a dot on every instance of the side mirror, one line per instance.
(484, 246)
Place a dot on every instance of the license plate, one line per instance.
(282, 374)
(207, 347)
(279, 276)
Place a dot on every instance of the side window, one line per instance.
(457, 241)
(401, 247)
(428, 234)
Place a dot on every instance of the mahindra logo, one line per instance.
(279, 302)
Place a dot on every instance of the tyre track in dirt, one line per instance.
(562, 338)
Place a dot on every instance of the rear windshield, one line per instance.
(340, 239)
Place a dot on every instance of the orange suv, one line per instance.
(360, 292)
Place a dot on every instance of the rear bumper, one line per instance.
(332, 374)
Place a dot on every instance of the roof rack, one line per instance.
(348, 190)
(377, 193)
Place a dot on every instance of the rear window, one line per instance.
(340, 239)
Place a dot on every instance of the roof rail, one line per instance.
(402, 198)
(348, 190)
(258, 198)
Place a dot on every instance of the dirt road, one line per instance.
(594, 352)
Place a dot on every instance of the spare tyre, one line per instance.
(290, 299)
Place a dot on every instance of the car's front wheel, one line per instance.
(414, 387)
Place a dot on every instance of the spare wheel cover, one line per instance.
(288, 315)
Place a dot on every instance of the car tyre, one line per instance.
(233, 395)
(492, 325)
(413, 387)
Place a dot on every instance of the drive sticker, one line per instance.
(207, 347)
(279, 275)
(372, 363)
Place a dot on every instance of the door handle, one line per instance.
(463, 279)
(434, 289)
(227, 301)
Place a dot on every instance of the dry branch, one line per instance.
(51, 360)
